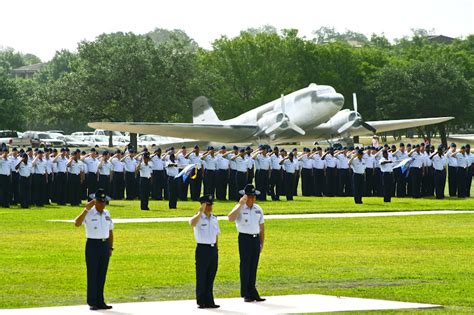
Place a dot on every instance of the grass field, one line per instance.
(425, 259)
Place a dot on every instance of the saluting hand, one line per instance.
(243, 200)
(90, 204)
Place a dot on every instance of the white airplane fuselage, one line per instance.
(306, 108)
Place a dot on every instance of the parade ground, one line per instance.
(423, 258)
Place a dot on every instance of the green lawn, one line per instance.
(424, 259)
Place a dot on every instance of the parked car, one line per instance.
(82, 134)
(12, 138)
(101, 141)
(42, 139)
(55, 131)
(116, 135)
(75, 142)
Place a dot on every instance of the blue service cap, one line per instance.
(235, 147)
(453, 145)
(223, 147)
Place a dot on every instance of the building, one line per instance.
(26, 72)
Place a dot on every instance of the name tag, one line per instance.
(93, 220)
(108, 219)
(259, 212)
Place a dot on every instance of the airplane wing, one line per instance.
(203, 132)
(391, 125)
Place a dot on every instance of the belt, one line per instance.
(98, 239)
(206, 245)
(250, 235)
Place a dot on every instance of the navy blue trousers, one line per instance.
(97, 262)
(249, 250)
(206, 269)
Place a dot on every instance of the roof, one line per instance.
(29, 68)
(440, 39)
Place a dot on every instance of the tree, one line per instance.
(11, 105)
(423, 89)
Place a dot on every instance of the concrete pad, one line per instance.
(293, 216)
(287, 304)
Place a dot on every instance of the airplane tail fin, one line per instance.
(203, 111)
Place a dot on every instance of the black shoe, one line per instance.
(202, 306)
(146, 209)
(104, 307)
(248, 300)
(213, 306)
(93, 308)
(259, 299)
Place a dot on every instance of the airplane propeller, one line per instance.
(283, 121)
(357, 122)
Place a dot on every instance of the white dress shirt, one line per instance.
(171, 169)
(117, 165)
(206, 230)
(222, 163)
(92, 164)
(75, 167)
(24, 169)
(318, 163)
(61, 164)
(290, 166)
(276, 159)
(210, 162)
(358, 165)
(98, 225)
(158, 163)
(386, 167)
(249, 219)
(241, 164)
(5, 168)
(105, 168)
(263, 162)
(195, 159)
(130, 164)
(439, 162)
(343, 161)
(39, 167)
(146, 169)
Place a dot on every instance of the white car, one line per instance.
(153, 140)
(116, 135)
(82, 134)
(13, 138)
(101, 141)
(75, 142)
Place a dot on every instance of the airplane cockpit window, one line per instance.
(325, 90)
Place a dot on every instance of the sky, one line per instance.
(43, 27)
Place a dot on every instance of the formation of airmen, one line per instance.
(38, 177)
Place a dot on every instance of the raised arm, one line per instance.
(195, 219)
(236, 210)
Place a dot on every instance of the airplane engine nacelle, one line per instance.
(270, 119)
(342, 118)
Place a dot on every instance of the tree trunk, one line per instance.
(442, 134)
(111, 142)
(133, 141)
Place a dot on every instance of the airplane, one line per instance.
(307, 114)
